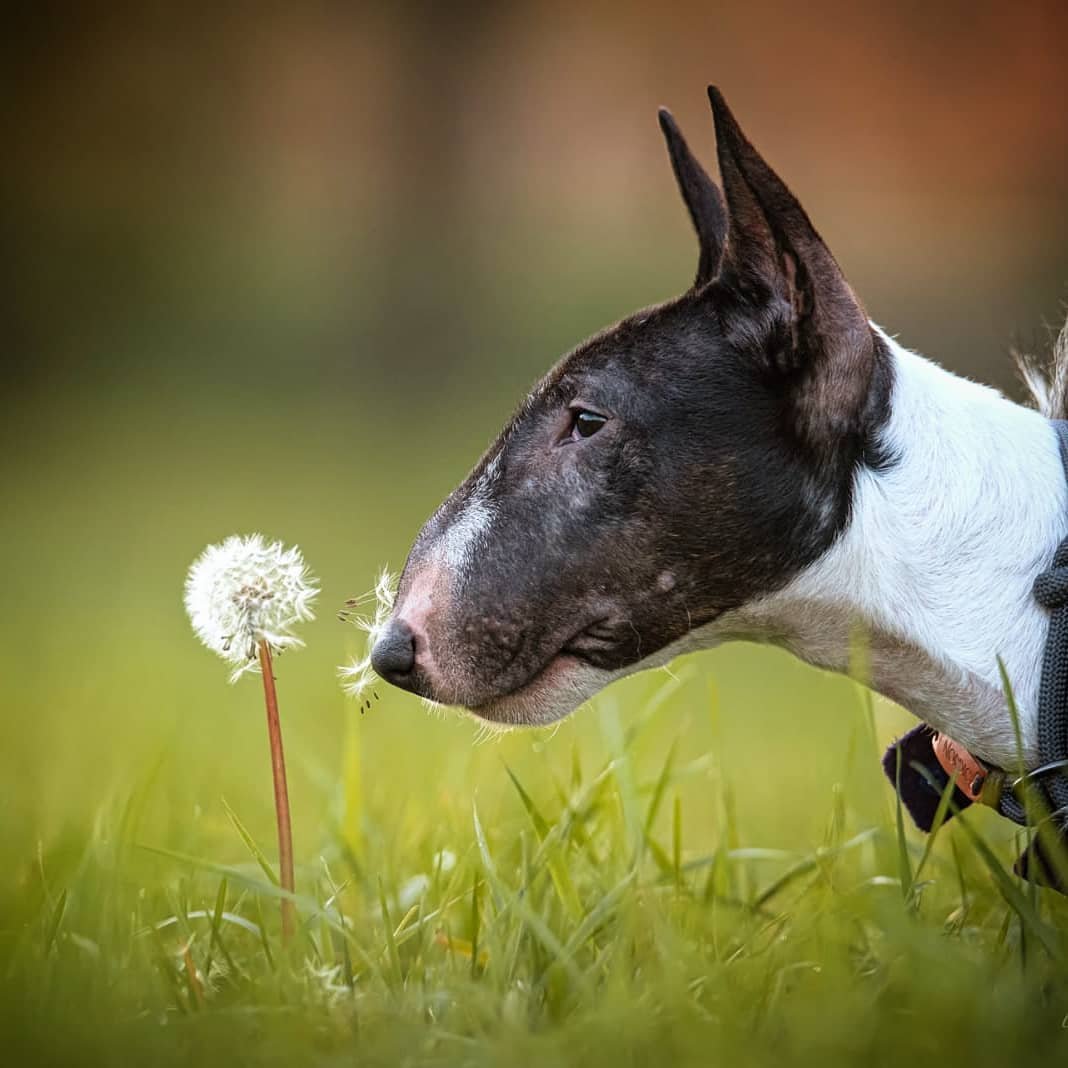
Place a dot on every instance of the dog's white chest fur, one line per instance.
(937, 562)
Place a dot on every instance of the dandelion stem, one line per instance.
(281, 792)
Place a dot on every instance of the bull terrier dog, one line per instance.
(756, 460)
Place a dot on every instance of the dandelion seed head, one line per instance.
(358, 676)
(245, 591)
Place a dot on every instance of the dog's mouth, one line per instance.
(582, 665)
(598, 642)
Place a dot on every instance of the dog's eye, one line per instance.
(584, 424)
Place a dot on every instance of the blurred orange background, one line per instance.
(354, 190)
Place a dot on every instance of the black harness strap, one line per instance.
(1051, 591)
(920, 791)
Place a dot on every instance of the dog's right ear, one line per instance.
(824, 354)
(702, 198)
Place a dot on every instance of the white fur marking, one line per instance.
(464, 533)
(938, 561)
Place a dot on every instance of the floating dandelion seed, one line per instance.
(244, 598)
(245, 591)
(359, 676)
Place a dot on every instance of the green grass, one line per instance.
(603, 902)
(700, 867)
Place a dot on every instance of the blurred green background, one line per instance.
(289, 269)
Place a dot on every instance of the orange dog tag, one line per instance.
(956, 760)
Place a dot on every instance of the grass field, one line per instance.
(589, 896)
(702, 866)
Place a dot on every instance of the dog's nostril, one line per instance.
(393, 655)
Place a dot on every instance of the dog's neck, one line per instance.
(937, 562)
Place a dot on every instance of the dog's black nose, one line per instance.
(393, 655)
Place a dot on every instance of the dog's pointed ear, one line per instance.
(703, 199)
(827, 345)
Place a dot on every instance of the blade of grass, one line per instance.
(308, 906)
(619, 745)
(534, 923)
(203, 914)
(936, 825)
(265, 942)
(558, 871)
(598, 914)
(742, 853)
(391, 942)
(1016, 900)
(810, 862)
(660, 857)
(904, 864)
(1039, 822)
(676, 843)
(216, 919)
(662, 781)
(54, 921)
(334, 901)
(250, 843)
(674, 683)
(475, 927)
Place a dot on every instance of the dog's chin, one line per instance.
(567, 681)
(560, 687)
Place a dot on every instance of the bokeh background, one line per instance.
(288, 268)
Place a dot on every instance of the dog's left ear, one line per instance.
(703, 200)
(826, 353)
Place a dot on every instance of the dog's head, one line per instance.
(687, 461)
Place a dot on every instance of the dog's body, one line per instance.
(753, 460)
